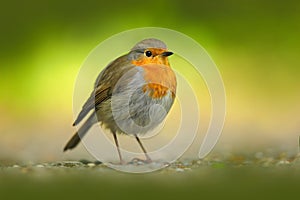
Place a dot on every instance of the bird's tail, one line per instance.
(73, 142)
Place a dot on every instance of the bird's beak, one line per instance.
(167, 53)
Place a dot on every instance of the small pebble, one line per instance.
(98, 162)
(199, 162)
(68, 164)
(140, 163)
(179, 170)
(91, 164)
(283, 162)
(83, 161)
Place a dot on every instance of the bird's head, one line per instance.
(150, 51)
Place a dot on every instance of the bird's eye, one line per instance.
(148, 53)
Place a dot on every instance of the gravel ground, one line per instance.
(258, 159)
(259, 176)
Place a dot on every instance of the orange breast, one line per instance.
(160, 79)
(156, 90)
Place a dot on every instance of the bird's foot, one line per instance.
(138, 161)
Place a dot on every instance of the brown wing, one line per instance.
(97, 96)
(103, 85)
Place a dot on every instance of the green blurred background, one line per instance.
(254, 43)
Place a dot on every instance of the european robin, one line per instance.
(132, 95)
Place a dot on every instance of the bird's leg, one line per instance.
(118, 148)
(148, 159)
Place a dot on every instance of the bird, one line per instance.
(132, 95)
